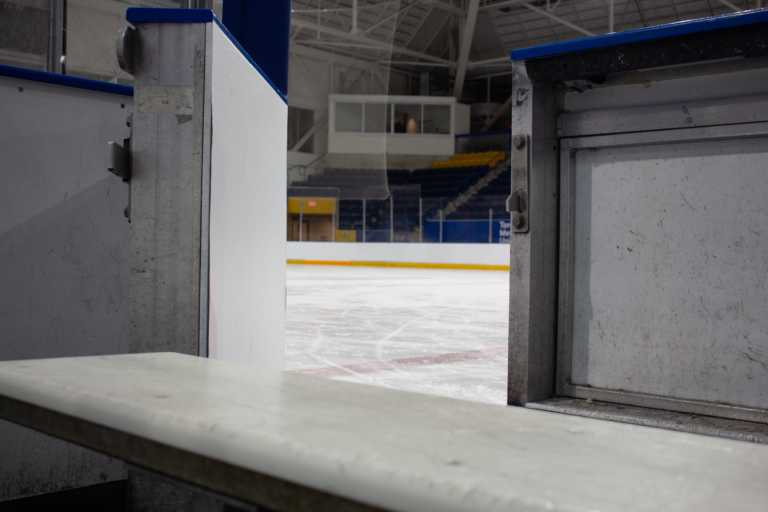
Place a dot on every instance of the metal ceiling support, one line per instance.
(309, 77)
(500, 5)
(560, 20)
(466, 44)
(443, 6)
(402, 11)
(500, 112)
(321, 121)
(379, 44)
(641, 13)
(354, 17)
(437, 32)
(418, 28)
(610, 15)
(729, 5)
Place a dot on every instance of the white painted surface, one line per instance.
(247, 241)
(392, 143)
(396, 450)
(671, 264)
(461, 118)
(434, 331)
(467, 254)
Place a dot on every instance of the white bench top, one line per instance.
(392, 449)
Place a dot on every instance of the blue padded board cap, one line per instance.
(69, 81)
(262, 27)
(735, 19)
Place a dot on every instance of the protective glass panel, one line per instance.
(376, 118)
(24, 34)
(407, 118)
(437, 119)
(349, 117)
(670, 261)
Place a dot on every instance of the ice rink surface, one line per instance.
(442, 332)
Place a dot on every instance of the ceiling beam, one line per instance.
(364, 40)
(466, 45)
(559, 20)
(443, 6)
(729, 5)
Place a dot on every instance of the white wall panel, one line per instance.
(247, 218)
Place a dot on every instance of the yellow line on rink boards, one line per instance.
(460, 266)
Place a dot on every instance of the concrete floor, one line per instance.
(442, 332)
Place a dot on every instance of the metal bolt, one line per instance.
(519, 142)
(518, 221)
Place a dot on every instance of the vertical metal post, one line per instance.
(421, 228)
(333, 222)
(490, 226)
(391, 218)
(301, 218)
(55, 36)
(354, 17)
(441, 226)
(363, 220)
(610, 15)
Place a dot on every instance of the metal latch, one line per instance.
(517, 203)
(119, 161)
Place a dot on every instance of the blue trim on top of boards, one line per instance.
(249, 59)
(735, 19)
(480, 134)
(152, 15)
(69, 81)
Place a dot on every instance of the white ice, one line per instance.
(371, 325)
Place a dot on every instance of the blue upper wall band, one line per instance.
(263, 28)
(69, 81)
(156, 15)
(735, 19)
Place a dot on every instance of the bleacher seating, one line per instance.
(489, 158)
(493, 195)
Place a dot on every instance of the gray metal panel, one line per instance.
(679, 226)
(64, 252)
(703, 81)
(166, 194)
(533, 255)
(689, 114)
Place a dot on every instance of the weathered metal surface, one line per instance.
(669, 264)
(688, 114)
(707, 81)
(533, 255)
(745, 41)
(691, 423)
(295, 446)
(63, 259)
(166, 189)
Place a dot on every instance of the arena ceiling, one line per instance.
(471, 39)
